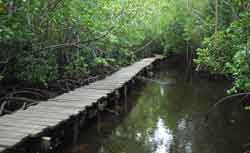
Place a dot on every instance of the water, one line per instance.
(170, 118)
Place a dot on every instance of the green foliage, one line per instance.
(76, 69)
(184, 22)
(217, 52)
(51, 39)
(36, 69)
(228, 52)
(122, 57)
(240, 69)
(100, 62)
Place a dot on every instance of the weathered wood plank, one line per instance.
(21, 125)
(83, 90)
(39, 114)
(6, 142)
(101, 88)
(24, 121)
(69, 111)
(82, 98)
(21, 130)
(2, 149)
(43, 119)
(67, 105)
(13, 134)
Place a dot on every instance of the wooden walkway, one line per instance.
(23, 125)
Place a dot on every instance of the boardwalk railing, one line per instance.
(39, 122)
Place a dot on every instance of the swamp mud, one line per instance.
(166, 114)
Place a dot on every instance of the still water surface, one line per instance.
(169, 118)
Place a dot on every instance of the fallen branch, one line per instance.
(2, 107)
(222, 100)
(20, 99)
(43, 92)
(26, 103)
(77, 44)
(25, 92)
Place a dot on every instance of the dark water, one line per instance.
(169, 118)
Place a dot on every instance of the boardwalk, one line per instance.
(46, 116)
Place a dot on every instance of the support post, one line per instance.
(99, 122)
(117, 96)
(125, 98)
(76, 130)
(45, 144)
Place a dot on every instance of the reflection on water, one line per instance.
(170, 119)
(162, 137)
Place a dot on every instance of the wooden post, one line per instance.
(46, 144)
(76, 130)
(100, 108)
(99, 122)
(125, 98)
(117, 96)
(133, 81)
(82, 118)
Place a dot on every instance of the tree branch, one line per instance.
(78, 43)
(222, 100)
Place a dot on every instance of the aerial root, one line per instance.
(224, 99)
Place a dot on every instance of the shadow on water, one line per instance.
(169, 118)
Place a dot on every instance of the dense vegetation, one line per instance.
(43, 41)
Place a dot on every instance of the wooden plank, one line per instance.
(88, 95)
(8, 142)
(83, 90)
(52, 108)
(24, 121)
(79, 99)
(2, 149)
(109, 81)
(103, 87)
(21, 125)
(48, 112)
(82, 97)
(39, 114)
(86, 90)
(54, 121)
(74, 101)
(111, 86)
(67, 111)
(13, 134)
(20, 130)
(81, 106)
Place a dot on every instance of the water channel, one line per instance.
(168, 116)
